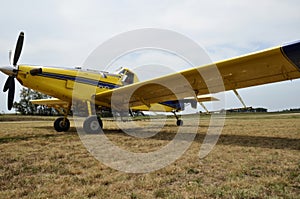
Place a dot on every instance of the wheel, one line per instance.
(92, 125)
(179, 122)
(61, 124)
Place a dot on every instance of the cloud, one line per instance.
(236, 21)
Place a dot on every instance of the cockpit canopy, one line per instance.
(128, 77)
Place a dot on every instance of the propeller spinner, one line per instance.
(12, 70)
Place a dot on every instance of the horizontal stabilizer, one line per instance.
(53, 102)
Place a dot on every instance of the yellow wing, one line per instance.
(53, 103)
(268, 66)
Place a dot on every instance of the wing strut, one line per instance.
(239, 97)
(204, 107)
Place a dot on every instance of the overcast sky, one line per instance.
(64, 33)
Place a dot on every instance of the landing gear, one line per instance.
(178, 122)
(62, 124)
(93, 125)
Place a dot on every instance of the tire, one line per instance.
(179, 123)
(60, 125)
(93, 125)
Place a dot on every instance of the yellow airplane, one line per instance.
(98, 88)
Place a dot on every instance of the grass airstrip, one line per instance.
(256, 156)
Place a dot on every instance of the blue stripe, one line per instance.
(292, 52)
(173, 104)
(93, 82)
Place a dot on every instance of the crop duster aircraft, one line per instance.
(272, 65)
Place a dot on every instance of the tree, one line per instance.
(25, 107)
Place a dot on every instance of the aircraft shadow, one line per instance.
(234, 140)
(72, 130)
(260, 141)
(18, 138)
(4, 140)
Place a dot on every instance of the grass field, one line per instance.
(257, 156)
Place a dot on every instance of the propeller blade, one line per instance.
(11, 95)
(18, 49)
(10, 56)
(8, 83)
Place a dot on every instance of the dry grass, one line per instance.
(257, 156)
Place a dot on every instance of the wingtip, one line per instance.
(292, 52)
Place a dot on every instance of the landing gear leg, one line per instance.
(179, 122)
(63, 123)
(93, 124)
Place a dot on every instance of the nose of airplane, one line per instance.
(9, 70)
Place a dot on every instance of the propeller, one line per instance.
(11, 71)
(18, 49)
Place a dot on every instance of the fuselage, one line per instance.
(69, 84)
(66, 83)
